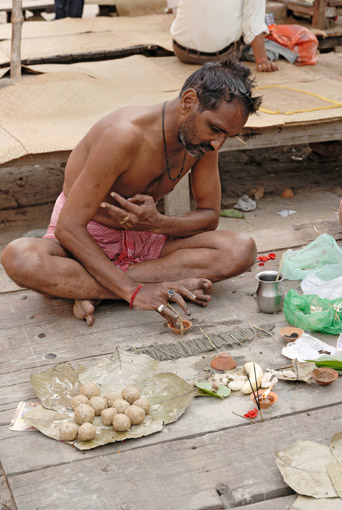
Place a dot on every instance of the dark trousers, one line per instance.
(68, 8)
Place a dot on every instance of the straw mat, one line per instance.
(139, 7)
(53, 111)
(75, 36)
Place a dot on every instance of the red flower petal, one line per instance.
(261, 264)
(272, 256)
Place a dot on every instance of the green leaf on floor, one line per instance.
(207, 387)
(231, 213)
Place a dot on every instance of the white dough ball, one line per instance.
(68, 431)
(79, 399)
(121, 423)
(112, 395)
(84, 414)
(144, 403)
(136, 414)
(107, 415)
(131, 393)
(90, 389)
(86, 432)
(120, 405)
(99, 404)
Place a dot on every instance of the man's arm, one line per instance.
(91, 187)
(143, 214)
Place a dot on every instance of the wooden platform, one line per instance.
(210, 459)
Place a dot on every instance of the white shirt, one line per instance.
(211, 25)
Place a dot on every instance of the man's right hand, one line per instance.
(156, 296)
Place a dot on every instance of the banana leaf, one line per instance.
(168, 394)
(207, 388)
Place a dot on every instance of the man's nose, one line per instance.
(217, 143)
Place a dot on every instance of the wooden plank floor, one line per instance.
(209, 459)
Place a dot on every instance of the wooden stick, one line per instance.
(210, 341)
(240, 140)
(17, 22)
(280, 267)
(244, 417)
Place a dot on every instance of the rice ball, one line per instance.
(79, 399)
(84, 414)
(112, 395)
(120, 405)
(131, 393)
(107, 415)
(121, 423)
(86, 432)
(90, 389)
(68, 431)
(144, 403)
(99, 404)
(136, 414)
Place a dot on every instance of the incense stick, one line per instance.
(240, 140)
(244, 417)
(210, 341)
(257, 392)
(280, 267)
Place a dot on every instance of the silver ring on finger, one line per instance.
(160, 308)
(171, 293)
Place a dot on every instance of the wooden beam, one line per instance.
(17, 23)
(318, 18)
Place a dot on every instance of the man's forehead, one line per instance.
(225, 112)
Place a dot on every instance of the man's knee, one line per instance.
(238, 252)
(19, 259)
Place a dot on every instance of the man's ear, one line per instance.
(189, 100)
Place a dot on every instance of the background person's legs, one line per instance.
(61, 9)
(75, 8)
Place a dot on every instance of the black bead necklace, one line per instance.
(167, 159)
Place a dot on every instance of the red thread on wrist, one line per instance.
(134, 295)
(261, 60)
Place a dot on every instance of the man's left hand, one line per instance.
(136, 213)
(266, 66)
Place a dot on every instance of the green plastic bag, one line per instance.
(322, 257)
(313, 313)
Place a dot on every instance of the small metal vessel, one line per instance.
(269, 294)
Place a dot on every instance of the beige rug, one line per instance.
(53, 111)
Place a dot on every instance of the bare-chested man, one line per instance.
(107, 240)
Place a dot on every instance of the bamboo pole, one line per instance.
(17, 22)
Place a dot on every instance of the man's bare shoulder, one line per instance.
(124, 127)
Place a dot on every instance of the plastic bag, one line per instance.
(298, 39)
(322, 257)
(331, 289)
(313, 313)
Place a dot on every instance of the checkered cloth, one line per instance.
(123, 247)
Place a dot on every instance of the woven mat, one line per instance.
(53, 111)
(74, 36)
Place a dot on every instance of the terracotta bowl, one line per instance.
(186, 325)
(223, 362)
(324, 375)
(291, 334)
(269, 401)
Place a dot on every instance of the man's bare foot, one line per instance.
(199, 287)
(84, 309)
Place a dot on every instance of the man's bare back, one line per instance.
(114, 177)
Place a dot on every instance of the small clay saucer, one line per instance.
(269, 401)
(186, 325)
(223, 362)
(324, 375)
(291, 334)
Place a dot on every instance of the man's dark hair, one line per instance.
(223, 80)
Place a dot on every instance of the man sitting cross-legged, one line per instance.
(106, 238)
